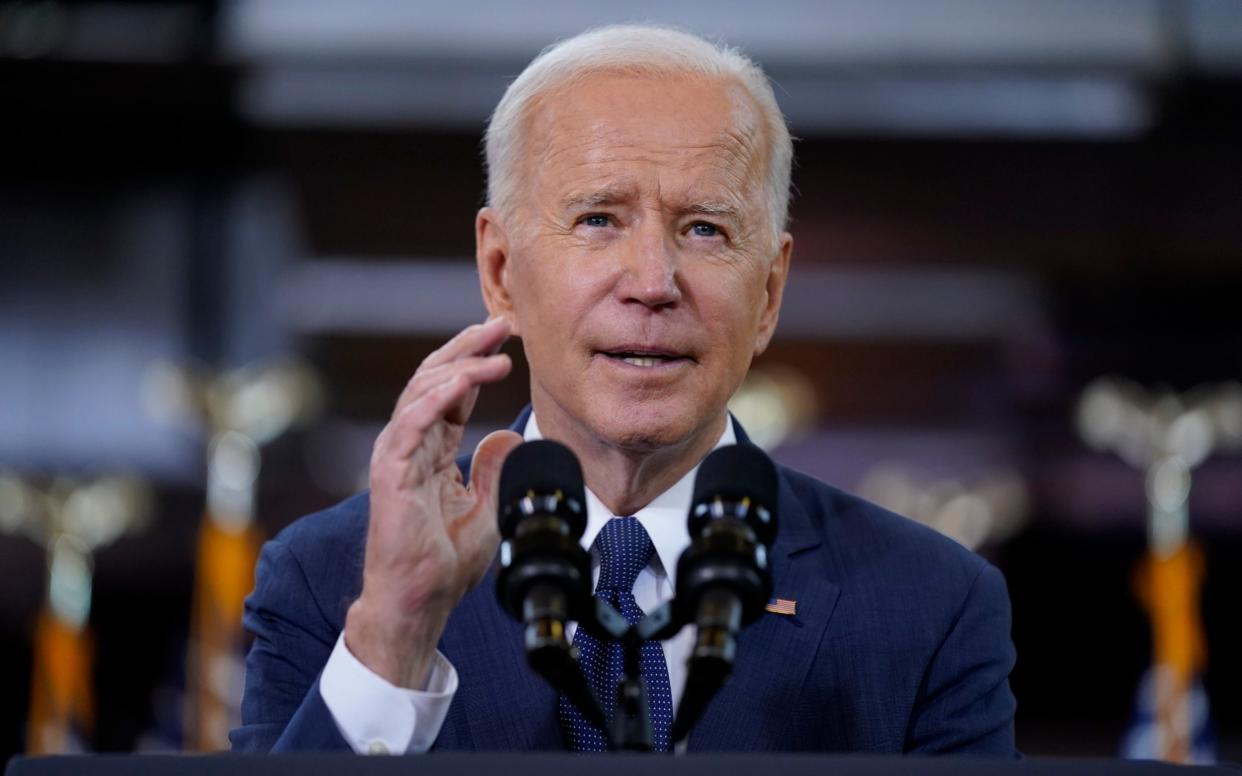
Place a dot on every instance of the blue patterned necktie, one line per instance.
(624, 548)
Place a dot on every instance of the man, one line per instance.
(634, 240)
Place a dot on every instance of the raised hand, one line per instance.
(431, 538)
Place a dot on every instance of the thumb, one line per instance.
(489, 456)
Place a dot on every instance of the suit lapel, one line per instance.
(775, 652)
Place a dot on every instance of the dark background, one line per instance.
(996, 204)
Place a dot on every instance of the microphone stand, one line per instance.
(631, 729)
(631, 719)
(631, 722)
(719, 617)
(723, 580)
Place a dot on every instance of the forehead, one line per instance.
(686, 134)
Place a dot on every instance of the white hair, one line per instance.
(643, 50)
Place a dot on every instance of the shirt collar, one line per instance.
(664, 518)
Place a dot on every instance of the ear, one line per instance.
(774, 291)
(491, 248)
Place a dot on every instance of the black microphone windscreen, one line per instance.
(542, 466)
(736, 472)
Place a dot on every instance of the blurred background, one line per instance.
(229, 231)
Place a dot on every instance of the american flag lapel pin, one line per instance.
(782, 606)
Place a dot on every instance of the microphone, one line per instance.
(545, 575)
(724, 579)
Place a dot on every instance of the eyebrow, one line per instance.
(710, 209)
(590, 199)
(722, 210)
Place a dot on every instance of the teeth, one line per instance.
(641, 360)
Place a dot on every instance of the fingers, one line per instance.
(479, 341)
(408, 429)
(405, 433)
(477, 370)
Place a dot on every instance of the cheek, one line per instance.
(552, 299)
(729, 304)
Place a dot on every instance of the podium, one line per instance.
(542, 764)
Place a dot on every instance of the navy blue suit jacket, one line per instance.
(900, 643)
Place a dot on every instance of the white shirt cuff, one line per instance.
(378, 717)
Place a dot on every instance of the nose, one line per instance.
(650, 271)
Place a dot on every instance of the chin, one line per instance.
(645, 426)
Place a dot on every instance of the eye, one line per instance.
(596, 220)
(704, 229)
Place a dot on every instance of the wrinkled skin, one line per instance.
(642, 228)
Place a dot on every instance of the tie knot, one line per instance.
(624, 548)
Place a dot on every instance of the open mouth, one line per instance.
(643, 357)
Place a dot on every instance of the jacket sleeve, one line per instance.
(964, 704)
(282, 709)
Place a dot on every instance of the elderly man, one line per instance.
(634, 240)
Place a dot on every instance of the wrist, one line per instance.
(398, 647)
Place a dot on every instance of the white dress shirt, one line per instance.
(378, 717)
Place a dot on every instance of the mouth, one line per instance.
(644, 357)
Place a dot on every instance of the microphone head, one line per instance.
(734, 473)
(544, 468)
